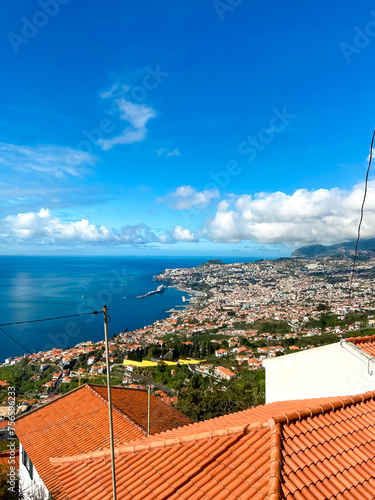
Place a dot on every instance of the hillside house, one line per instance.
(221, 352)
(224, 373)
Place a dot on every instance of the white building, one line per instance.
(31, 484)
(343, 368)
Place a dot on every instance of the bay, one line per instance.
(41, 287)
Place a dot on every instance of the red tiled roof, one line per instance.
(367, 344)
(78, 423)
(311, 449)
(224, 371)
(5, 458)
(162, 416)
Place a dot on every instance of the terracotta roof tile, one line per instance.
(367, 344)
(78, 423)
(134, 403)
(5, 457)
(305, 450)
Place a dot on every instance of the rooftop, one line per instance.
(78, 423)
(6, 458)
(367, 344)
(308, 449)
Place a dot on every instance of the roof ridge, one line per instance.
(359, 340)
(276, 462)
(147, 444)
(44, 405)
(115, 408)
(336, 403)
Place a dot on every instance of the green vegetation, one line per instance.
(264, 326)
(181, 378)
(20, 376)
(239, 394)
(212, 261)
(4, 444)
(5, 493)
(323, 306)
(136, 355)
(200, 287)
(272, 326)
(242, 325)
(330, 320)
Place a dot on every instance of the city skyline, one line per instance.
(220, 128)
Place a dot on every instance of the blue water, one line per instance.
(43, 287)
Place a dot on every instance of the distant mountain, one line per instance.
(344, 249)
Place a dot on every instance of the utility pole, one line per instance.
(149, 411)
(110, 402)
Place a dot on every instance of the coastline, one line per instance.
(57, 286)
(41, 287)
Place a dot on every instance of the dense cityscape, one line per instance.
(234, 316)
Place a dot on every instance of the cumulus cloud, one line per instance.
(43, 227)
(325, 216)
(55, 161)
(179, 233)
(186, 197)
(136, 115)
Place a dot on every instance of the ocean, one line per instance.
(42, 287)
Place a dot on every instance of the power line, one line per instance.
(361, 217)
(50, 319)
(37, 321)
(16, 341)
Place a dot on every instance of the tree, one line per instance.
(168, 356)
(322, 306)
(5, 492)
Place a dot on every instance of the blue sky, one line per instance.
(175, 128)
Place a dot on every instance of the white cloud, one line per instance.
(305, 217)
(175, 152)
(137, 116)
(186, 197)
(43, 227)
(179, 233)
(56, 161)
(163, 151)
(115, 91)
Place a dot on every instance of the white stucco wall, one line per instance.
(31, 487)
(330, 370)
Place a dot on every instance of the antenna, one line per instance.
(149, 410)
